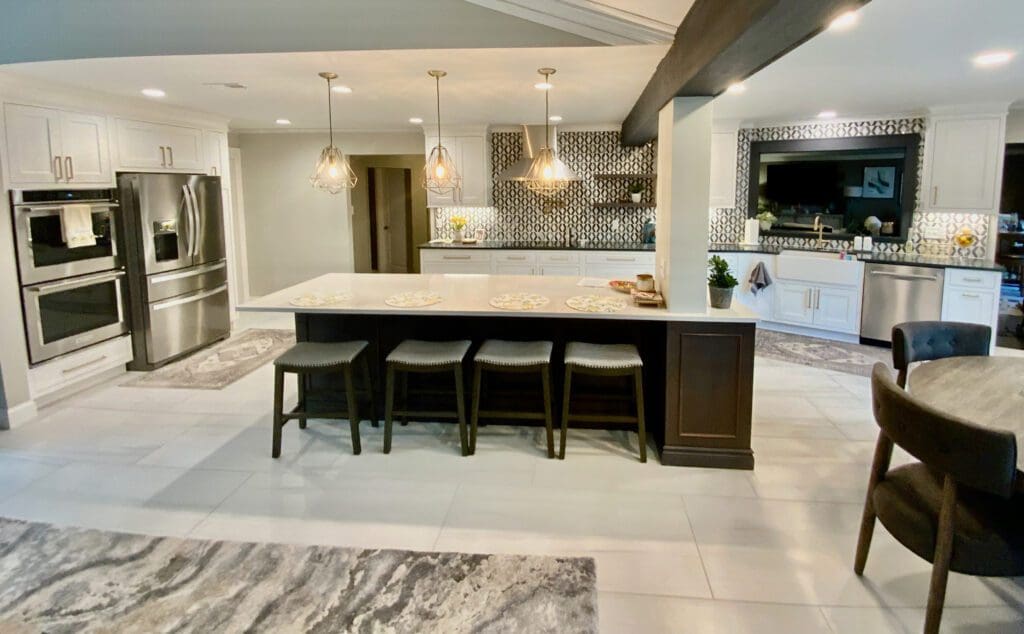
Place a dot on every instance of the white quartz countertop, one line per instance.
(467, 295)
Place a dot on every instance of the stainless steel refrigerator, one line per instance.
(177, 271)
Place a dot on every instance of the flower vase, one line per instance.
(458, 236)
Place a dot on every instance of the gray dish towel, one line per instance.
(759, 278)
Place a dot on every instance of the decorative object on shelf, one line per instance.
(647, 298)
(647, 234)
(623, 286)
(548, 175)
(636, 192)
(720, 282)
(645, 282)
(873, 225)
(765, 219)
(595, 303)
(879, 182)
(440, 175)
(965, 238)
(519, 301)
(458, 224)
(480, 234)
(312, 300)
(888, 228)
(332, 173)
(414, 299)
(752, 231)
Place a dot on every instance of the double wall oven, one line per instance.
(72, 297)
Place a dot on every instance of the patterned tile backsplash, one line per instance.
(520, 215)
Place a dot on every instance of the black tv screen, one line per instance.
(812, 183)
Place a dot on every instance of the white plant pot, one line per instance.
(635, 197)
(458, 236)
(765, 225)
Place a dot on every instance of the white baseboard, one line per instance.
(809, 332)
(21, 414)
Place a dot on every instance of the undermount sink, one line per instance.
(826, 269)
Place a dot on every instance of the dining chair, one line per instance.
(914, 341)
(960, 507)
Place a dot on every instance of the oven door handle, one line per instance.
(54, 287)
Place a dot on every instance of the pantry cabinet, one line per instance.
(217, 156)
(159, 147)
(48, 146)
(471, 155)
(964, 162)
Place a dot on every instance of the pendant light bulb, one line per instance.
(548, 175)
(439, 174)
(332, 172)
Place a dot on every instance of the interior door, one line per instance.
(392, 206)
(210, 216)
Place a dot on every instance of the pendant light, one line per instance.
(439, 174)
(548, 175)
(332, 173)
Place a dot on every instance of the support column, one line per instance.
(684, 193)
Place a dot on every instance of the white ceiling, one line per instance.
(594, 85)
(903, 56)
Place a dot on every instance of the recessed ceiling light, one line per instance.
(736, 88)
(554, 118)
(543, 85)
(993, 58)
(283, 122)
(415, 120)
(843, 21)
(827, 114)
(345, 90)
(155, 93)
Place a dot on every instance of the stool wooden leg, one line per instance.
(369, 390)
(389, 406)
(275, 447)
(638, 394)
(353, 409)
(566, 394)
(474, 412)
(302, 399)
(460, 405)
(403, 398)
(545, 379)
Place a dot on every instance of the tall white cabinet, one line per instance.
(47, 146)
(469, 148)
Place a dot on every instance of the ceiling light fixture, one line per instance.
(332, 172)
(344, 90)
(416, 120)
(844, 21)
(154, 93)
(544, 85)
(554, 118)
(989, 59)
(548, 175)
(283, 122)
(827, 114)
(736, 88)
(439, 174)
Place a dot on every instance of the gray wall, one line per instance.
(13, 355)
(294, 232)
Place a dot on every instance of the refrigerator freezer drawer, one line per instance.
(163, 286)
(182, 324)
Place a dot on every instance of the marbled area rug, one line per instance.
(71, 580)
(221, 365)
(851, 358)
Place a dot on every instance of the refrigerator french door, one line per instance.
(177, 272)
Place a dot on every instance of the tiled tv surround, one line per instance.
(726, 225)
(519, 214)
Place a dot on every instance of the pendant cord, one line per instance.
(330, 117)
(437, 91)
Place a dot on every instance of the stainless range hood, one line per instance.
(533, 142)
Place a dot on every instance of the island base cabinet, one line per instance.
(709, 382)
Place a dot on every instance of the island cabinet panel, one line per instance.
(708, 395)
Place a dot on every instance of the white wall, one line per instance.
(294, 232)
(1015, 126)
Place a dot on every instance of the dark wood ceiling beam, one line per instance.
(723, 41)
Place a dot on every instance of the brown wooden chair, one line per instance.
(915, 341)
(959, 508)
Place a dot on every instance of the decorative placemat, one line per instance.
(312, 300)
(595, 304)
(519, 301)
(414, 299)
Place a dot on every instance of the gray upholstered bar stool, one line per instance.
(517, 357)
(309, 357)
(604, 360)
(426, 357)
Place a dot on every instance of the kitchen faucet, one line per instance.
(819, 226)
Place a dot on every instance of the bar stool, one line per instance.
(604, 360)
(307, 358)
(426, 357)
(512, 357)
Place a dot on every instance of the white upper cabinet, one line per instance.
(217, 155)
(723, 169)
(963, 168)
(46, 146)
(154, 146)
(471, 154)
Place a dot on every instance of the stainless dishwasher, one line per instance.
(894, 294)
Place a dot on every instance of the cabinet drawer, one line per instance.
(967, 278)
(620, 258)
(515, 257)
(558, 257)
(68, 369)
(454, 255)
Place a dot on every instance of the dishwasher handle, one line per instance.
(905, 276)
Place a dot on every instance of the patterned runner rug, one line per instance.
(851, 358)
(221, 365)
(71, 580)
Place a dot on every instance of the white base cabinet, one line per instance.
(971, 296)
(835, 308)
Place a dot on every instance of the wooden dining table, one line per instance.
(986, 391)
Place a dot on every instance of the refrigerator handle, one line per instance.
(190, 221)
(197, 223)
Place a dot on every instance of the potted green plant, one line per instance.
(636, 192)
(720, 282)
(765, 219)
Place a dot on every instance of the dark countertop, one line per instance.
(934, 261)
(542, 246)
(738, 247)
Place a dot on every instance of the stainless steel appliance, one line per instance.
(177, 272)
(72, 298)
(894, 294)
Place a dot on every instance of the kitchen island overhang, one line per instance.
(698, 367)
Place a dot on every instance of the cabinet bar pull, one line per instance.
(58, 168)
(86, 364)
(70, 168)
(971, 295)
(972, 279)
(516, 257)
(935, 194)
(163, 156)
(817, 298)
(621, 259)
(807, 299)
(170, 153)
(454, 257)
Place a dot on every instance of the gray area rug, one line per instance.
(851, 358)
(221, 365)
(71, 580)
